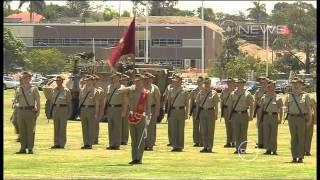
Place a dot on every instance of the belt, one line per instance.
(210, 108)
(270, 113)
(179, 107)
(297, 114)
(115, 105)
(59, 105)
(27, 107)
(153, 105)
(87, 106)
(240, 112)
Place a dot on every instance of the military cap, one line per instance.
(116, 74)
(58, 78)
(262, 78)
(177, 77)
(88, 77)
(149, 75)
(26, 73)
(271, 82)
(240, 80)
(124, 77)
(206, 79)
(96, 77)
(297, 80)
(138, 77)
(229, 80)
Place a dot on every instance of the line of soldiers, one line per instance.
(136, 107)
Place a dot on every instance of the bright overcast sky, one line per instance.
(231, 7)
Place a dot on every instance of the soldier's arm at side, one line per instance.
(280, 105)
(37, 99)
(308, 110)
(216, 102)
(69, 102)
(157, 91)
(250, 98)
(186, 102)
(125, 105)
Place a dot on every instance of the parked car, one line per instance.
(10, 82)
(252, 86)
(281, 85)
(39, 82)
(220, 86)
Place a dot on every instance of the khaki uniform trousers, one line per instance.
(196, 128)
(177, 130)
(27, 123)
(240, 126)
(260, 128)
(309, 134)
(87, 122)
(96, 131)
(114, 125)
(136, 132)
(207, 127)
(125, 130)
(297, 127)
(170, 124)
(229, 127)
(270, 130)
(14, 121)
(151, 133)
(60, 118)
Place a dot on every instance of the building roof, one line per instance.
(25, 17)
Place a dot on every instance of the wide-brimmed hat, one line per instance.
(149, 75)
(229, 80)
(206, 79)
(96, 77)
(262, 78)
(116, 74)
(25, 73)
(58, 78)
(240, 80)
(138, 77)
(176, 77)
(297, 80)
(271, 82)
(88, 77)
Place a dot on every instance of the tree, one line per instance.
(7, 8)
(125, 13)
(46, 61)
(34, 7)
(109, 14)
(300, 17)
(52, 12)
(208, 14)
(78, 8)
(162, 8)
(288, 63)
(14, 51)
(258, 12)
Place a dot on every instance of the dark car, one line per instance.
(252, 86)
(281, 85)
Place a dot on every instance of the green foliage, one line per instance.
(109, 14)
(125, 13)
(46, 61)
(34, 6)
(258, 12)
(214, 71)
(163, 8)
(53, 11)
(78, 8)
(208, 14)
(230, 51)
(287, 63)
(14, 51)
(7, 9)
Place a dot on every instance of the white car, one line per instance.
(10, 82)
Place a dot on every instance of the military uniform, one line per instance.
(152, 128)
(114, 113)
(26, 116)
(309, 129)
(207, 101)
(226, 103)
(196, 124)
(125, 126)
(270, 107)
(89, 99)
(60, 114)
(179, 108)
(240, 117)
(297, 122)
(166, 95)
(257, 98)
(100, 92)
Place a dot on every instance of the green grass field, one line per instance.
(99, 163)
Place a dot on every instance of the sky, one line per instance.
(230, 7)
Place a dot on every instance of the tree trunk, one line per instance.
(307, 51)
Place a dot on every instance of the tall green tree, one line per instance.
(208, 14)
(125, 13)
(288, 63)
(162, 8)
(300, 17)
(258, 12)
(34, 7)
(46, 61)
(53, 11)
(109, 13)
(78, 8)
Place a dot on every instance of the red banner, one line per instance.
(126, 46)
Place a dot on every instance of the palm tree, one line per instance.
(258, 12)
(34, 6)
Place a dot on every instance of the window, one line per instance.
(74, 42)
(166, 43)
(176, 63)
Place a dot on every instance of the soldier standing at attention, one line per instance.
(116, 105)
(88, 101)
(28, 110)
(309, 129)
(100, 93)
(154, 98)
(196, 123)
(271, 107)
(165, 94)
(207, 102)
(139, 117)
(61, 111)
(125, 126)
(178, 101)
(226, 103)
(299, 116)
(257, 111)
(242, 100)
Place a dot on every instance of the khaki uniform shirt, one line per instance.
(193, 96)
(92, 97)
(117, 98)
(303, 100)
(275, 104)
(134, 97)
(258, 95)
(314, 108)
(225, 97)
(207, 101)
(181, 100)
(31, 94)
(244, 102)
(63, 95)
(154, 94)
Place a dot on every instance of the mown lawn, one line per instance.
(99, 163)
